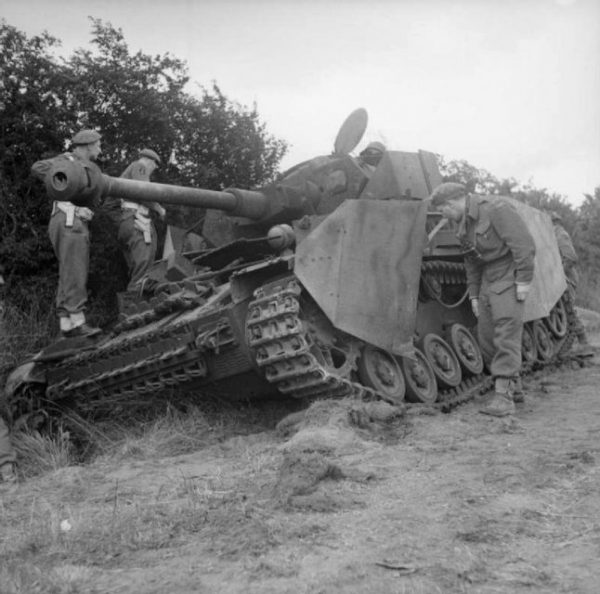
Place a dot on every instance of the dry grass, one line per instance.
(80, 532)
(39, 454)
(186, 424)
(22, 333)
(74, 520)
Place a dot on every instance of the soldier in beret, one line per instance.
(136, 232)
(499, 261)
(69, 234)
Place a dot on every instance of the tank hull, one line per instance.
(333, 281)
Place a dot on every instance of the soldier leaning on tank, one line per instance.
(569, 259)
(69, 234)
(136, 232)
(499, 261)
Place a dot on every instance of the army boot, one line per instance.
(516, 387)
(79, 327)
(501, 403)
(82, 330)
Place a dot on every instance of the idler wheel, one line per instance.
(443, 360)
(380, 371)
(421, 385)
(557, 321)
(466, 348)
(529, 352)
(543, 342)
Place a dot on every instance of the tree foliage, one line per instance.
(139, 100)
(33, 120)
(135, 101)
(587, 232)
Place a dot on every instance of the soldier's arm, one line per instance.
(512, 229)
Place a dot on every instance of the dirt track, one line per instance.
(423, 504)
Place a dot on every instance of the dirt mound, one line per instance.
(325, 444)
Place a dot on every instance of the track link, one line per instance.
(279, 340)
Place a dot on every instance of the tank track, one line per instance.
(278, 338)
(170, 352)
(276, 334)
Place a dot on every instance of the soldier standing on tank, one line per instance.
(136, 232)
(499, 262)
(569, 259)
(69, 234)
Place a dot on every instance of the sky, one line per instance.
(511, 86)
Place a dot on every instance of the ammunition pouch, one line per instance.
(71, 211)
(142, 221)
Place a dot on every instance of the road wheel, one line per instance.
(443, 360)
(421, 385)
(528, 346)
(543, 342)
(557, 321)
(380, 371)
(466, 348)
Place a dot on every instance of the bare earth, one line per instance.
(349, 500)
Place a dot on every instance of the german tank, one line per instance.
(335, 280)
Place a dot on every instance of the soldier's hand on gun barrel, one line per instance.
(522, 291)
(475, 306)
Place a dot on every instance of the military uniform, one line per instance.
(499, 255)
(136, 232)
(569, 259)
(69, 235)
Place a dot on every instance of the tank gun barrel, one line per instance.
(243, 203)
(71, 181)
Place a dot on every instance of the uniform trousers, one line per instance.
(139, 255)
(72, 249)
(500, 329)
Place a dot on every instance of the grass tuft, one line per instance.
(38, 454)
